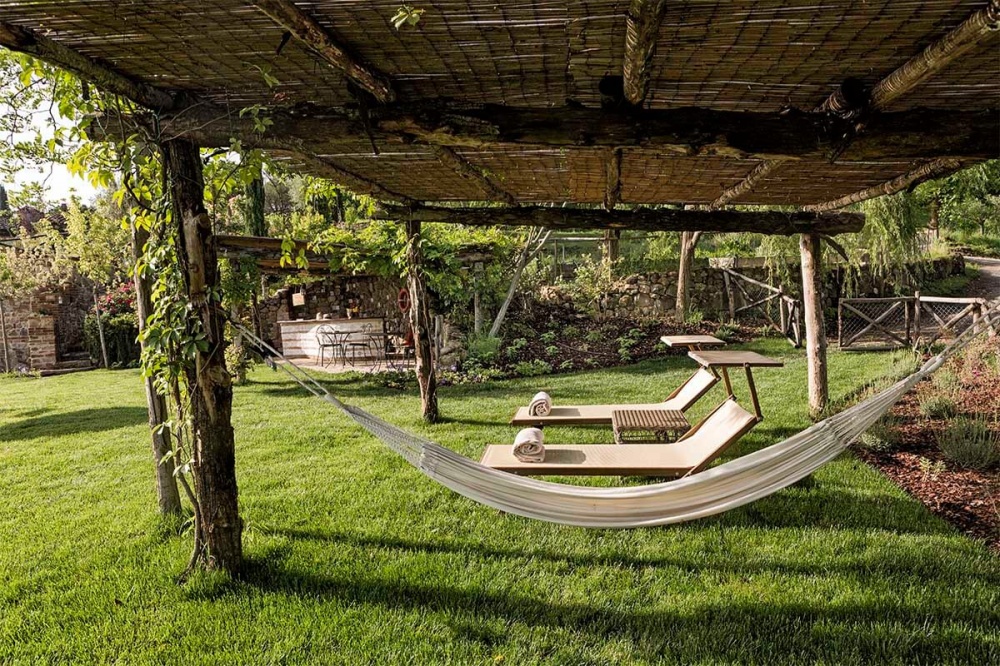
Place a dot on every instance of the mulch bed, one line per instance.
(969, 499)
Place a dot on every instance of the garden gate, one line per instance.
(748, 296)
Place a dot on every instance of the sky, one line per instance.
(60, 182)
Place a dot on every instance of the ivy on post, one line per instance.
(420, 323)
(209, 384)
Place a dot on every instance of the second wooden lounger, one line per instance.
(692, 453)
(681, 399)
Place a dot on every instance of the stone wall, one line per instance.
(45, 327)
(376, 298)
(654, 294)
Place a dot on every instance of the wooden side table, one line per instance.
(648, 426)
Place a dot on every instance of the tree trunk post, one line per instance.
(812, 301)
(420, 324)
(689, 240)
(3, 334)
(167, 495)
(100, 330)
(209, 383)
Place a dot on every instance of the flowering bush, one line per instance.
(118, 300)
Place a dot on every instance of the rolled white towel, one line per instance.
(540, 405)
(528, 446)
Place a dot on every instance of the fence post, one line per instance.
(916, 317)
(729, 295)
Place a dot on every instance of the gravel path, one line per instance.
(987, 284)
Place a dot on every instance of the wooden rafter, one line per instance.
(310, 32)
(910, 135)
(846, 100)
(100, 74)
(327, 169)
(937, 56)
(642, 26)
(613, 179)
(486, 181)
(928, 171)
(647, 219)
(757, 174)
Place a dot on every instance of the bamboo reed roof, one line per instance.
(773, 58)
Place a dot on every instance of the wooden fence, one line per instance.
(753, 298)
(904, 321)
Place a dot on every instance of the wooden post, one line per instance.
(916, 317)
(3, 335)
(730, 295)
(100, 329)
(209, 384)
(812, 299)
(420, 324)
(167, 496)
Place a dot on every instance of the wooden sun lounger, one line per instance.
(692, 453)
(681, 399)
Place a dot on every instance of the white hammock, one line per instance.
(712, 491)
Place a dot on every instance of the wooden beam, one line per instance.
(613, 179)
(757, 174)
(324, 168)
(309, 31)
(100, 74)
(937, 56)
(486, 181)
(850, 99)
(928, 171)
(910, 135)
(648, 219)
(642, 26)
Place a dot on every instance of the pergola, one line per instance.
(598, 106)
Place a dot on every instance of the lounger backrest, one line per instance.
(690, 391)
(714, 434)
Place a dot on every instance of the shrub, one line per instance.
(931, 470)
(120, 337)
(239, 361)
(970, 443)
(515, 347)
(594, 337)
(946, 381)
(628, 342)
(937, 406)
(566, 366)
(881, 437)
(571, 331)
(532, 368)
(547, 337)
(552, 350)
(483, 349)
(726, 332)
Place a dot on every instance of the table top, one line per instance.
(692, 341)
(733, 359)
(649, 419)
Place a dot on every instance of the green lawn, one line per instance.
(357, 558)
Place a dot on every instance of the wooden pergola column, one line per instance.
(812, 299)
(420, 323)
(209, 383)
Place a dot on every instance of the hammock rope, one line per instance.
(712, 491)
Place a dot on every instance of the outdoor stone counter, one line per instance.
(298, 337)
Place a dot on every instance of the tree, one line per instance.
(101, 247)
(533, 244)
(689, 241)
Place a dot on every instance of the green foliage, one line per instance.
(36, 261)
(591, 281)
(970, 443)
(548, 337)
(628, 342)
(121, 332)
(406, 15)
(930, 470)
(566, 366)
(882, 437)
(534, 368)
(936, 406)
(100, 245)
(727, 332)
(515, 347)
(239, 362)
(552, 350)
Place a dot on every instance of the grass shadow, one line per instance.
(70, 423)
